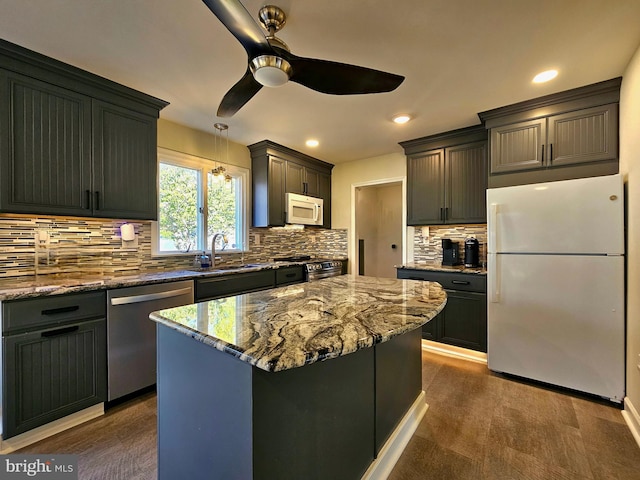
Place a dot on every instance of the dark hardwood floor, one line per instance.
(479, 426)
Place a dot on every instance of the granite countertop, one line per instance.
(43, 285)
(438, 267)
(289, 327)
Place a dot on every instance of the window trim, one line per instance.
(203, 164)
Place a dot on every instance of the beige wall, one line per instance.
(630, 167)
(181, 138)
(345, 175)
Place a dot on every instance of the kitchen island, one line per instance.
(305, 381)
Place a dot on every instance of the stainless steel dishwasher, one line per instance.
(131, 336)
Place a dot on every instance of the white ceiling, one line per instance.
(459, 57)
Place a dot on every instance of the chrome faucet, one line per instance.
(213, 248)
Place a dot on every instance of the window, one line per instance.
(194, 204)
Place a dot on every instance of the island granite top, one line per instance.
(289, 327)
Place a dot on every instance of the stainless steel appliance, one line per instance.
(131, 336)
(304, 210)
(316, 268)
(323, 269)
(556, 283)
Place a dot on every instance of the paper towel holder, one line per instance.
(128, 235)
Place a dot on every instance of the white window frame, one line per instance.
(205, 165)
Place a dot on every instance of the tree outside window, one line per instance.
(194, 204)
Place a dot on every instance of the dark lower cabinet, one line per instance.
(463, 321)
(211, 288)
(53, 362)
(289, 275)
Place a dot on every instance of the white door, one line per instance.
(558, 319)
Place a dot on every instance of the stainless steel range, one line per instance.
(316, 268)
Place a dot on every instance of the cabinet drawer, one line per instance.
(224, 286)
(468, 282)
(287, 275)
(27, 314)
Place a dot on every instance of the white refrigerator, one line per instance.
(556, 283)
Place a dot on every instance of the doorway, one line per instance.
(378, 229)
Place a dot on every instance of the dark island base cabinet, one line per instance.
(325, 420)
(463, 321)
(53, 359)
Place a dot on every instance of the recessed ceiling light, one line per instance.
(545, 76)
(402, 118)
(312, 143)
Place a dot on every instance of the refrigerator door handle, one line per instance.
(493, 227)
(494, 277)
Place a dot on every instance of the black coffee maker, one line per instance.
(450, 252)
(471, 252)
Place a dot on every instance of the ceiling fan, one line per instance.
(271, 63)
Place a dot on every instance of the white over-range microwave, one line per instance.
(303, 210)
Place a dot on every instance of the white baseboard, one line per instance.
(40, 433)
(397, 442)
(453, 351)
(630, 415)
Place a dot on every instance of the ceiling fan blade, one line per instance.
(239, 22)
(238, 95)
(338, 78)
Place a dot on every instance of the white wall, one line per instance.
(630, 167)
(345, 175)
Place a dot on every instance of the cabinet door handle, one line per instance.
(97, 200)
(59, 331)
(88, 199)
(542, 153)
(57, 311)
(446, 213)
(550, 152)
(305, 187)
(460, 282)
(441, 214)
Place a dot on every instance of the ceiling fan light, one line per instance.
(270, 71)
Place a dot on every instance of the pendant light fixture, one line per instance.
(220, 144)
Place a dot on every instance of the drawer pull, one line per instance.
(59, 331)
(290, 275)
(460, 282)
(57, 311)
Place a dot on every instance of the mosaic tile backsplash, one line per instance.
(429, 248)
(51, 245)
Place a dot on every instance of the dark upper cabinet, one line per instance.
(277, 170)
(588, 135)
(572, 134)
(45, 136)
(124, 163)
(447, 177)
(73, 143)
(425, 188)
